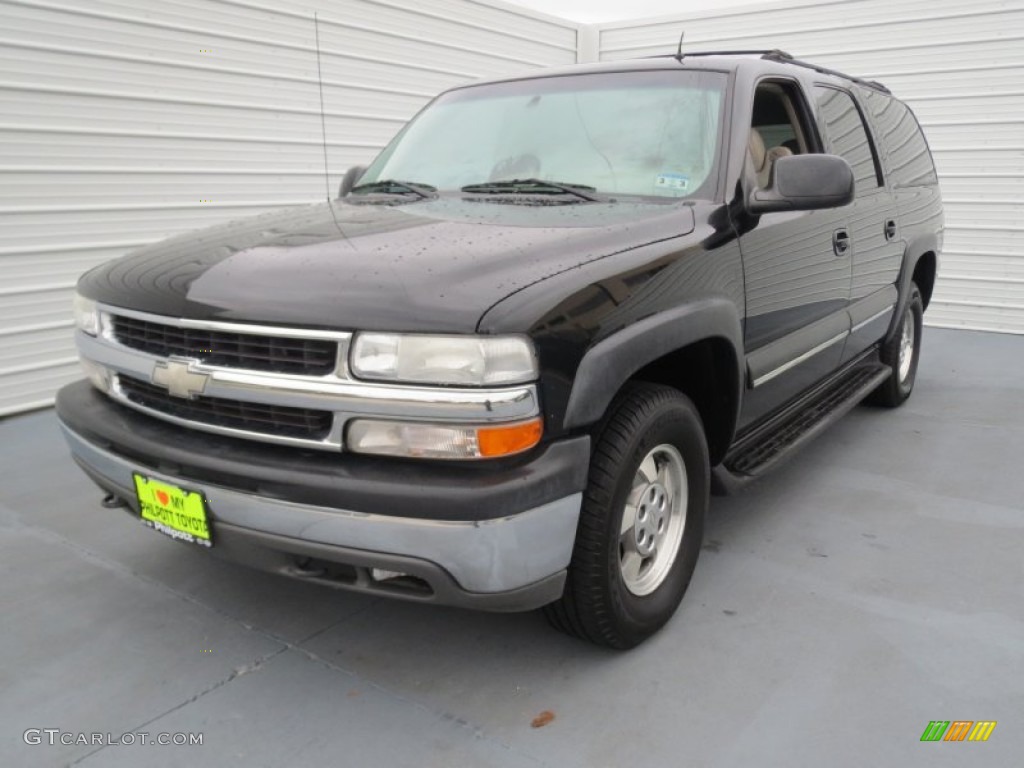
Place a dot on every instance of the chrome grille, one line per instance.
(228, 349)
(263, 418)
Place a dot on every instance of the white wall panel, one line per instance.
(959, 66)
(125, 121)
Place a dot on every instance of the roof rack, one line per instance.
(782, 56)
(775, 54)
(762, 52)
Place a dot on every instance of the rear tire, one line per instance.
(901, 354)
(642, 520)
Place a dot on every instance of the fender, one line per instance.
(916, 248)
(607, 365)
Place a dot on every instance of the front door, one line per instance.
(797, 267)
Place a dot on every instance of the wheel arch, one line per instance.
(695, 348)
(925, 269)
(921, 266)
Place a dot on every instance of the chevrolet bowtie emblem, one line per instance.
(179, 378)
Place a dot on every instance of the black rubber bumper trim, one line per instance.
(435, 490)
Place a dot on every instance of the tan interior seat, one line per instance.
(764, 158)
(772, 155)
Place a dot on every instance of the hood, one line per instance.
(434, 265)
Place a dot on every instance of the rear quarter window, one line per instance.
(848, 137)
(910, 161)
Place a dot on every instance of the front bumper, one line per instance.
(506, 551)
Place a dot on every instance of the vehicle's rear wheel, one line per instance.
(901, 354)
(642, 520)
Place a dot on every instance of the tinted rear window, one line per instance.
(848, 136)
(910, 162)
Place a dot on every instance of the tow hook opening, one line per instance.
(110, 501)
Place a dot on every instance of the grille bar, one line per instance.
(279, 354)
(278, 420)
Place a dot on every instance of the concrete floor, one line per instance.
(868, 587)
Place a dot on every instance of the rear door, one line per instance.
(876, 247)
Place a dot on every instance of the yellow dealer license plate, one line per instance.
(179, 513)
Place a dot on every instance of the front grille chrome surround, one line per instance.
(302, 410)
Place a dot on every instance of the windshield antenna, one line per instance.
(323, 133)
(679, 50)
(323, 120)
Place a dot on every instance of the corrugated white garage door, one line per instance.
(961, 68)
(124, 121)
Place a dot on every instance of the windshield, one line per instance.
(629, 133)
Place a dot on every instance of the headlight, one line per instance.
(465, 360)
(87, 318)
(442, 441)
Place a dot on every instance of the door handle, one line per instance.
(890, 229)
(841, 242)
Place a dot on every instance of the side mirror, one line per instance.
(350, 178)
(804, 183)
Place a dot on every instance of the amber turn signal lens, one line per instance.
(506, 440)
(442, 441)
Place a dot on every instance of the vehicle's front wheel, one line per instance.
(901, 354)
(642, 520)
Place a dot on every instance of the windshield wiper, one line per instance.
(395, 187)
(534, 186)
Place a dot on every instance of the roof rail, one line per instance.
(783, 57)
(762, 52)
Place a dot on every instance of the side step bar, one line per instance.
(780, 438)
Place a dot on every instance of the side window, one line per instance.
(844, 128)
(910, 162)
(779, 127)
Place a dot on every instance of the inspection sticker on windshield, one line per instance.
(677, 181)
(173, 511)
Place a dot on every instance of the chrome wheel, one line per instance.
(653, 520)
(906, 357)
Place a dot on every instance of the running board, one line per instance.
(780, 438)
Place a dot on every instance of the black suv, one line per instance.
(508, 365)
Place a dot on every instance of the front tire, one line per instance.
(642, 520)
(901, 354)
